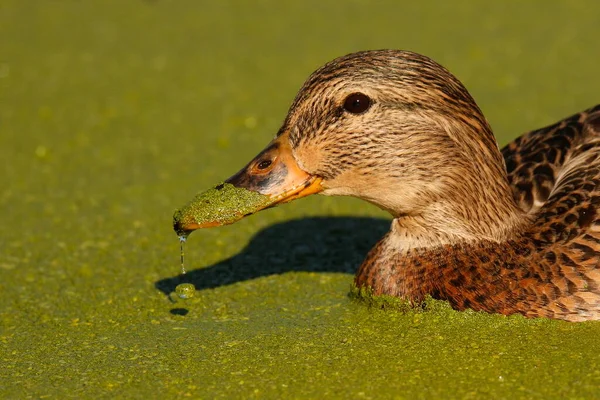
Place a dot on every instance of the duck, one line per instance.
(509, 231)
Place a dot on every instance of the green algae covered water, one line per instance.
(113, 111)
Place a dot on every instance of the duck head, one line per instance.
(398, 130)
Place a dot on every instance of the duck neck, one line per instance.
(475, 218)
(473, 200)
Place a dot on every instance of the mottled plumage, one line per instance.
(464, 231)
(551, 268)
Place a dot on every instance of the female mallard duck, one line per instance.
(398, 130)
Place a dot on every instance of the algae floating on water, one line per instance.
(221, 205)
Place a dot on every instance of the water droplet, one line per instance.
(185, 290)
(182, 240)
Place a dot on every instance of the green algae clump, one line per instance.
(221, 205)
(366, 296)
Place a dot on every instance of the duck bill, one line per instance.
(273, 177)
(276, 174)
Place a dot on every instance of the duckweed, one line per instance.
(221, 205)
(365, 296)
(92, 94)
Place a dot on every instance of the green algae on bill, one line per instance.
(221, 205)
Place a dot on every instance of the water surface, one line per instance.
(113, 113)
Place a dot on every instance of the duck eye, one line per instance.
(357, 103)
(264, 164)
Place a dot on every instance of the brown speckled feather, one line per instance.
(534, 160)
(550, 270)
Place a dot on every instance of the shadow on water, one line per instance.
(323, 244)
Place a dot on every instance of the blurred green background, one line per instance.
(115, 112)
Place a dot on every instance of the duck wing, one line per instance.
(535, 160)
(565, 234)
(553, 269)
